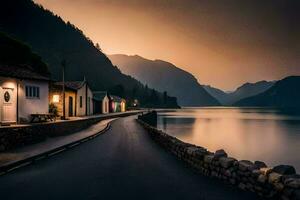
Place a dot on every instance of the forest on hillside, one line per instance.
(56, 40)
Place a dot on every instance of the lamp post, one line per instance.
(63, 64)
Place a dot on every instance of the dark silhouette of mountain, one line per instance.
(283, 94)
(54, 40)
(15, 53)
(165, 76)
(220, 95)
(244, 91)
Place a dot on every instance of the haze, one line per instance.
(222, 43)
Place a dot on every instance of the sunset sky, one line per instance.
(222, 43)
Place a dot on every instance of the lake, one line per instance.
(269, 135)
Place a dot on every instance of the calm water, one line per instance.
(269, 135)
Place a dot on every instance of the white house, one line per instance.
(101, 102)
(22, 92)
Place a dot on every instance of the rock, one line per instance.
(220, 153)
(226, 162)
(208, 158)
(256, 173)
(260, 164)
(284, 169)
(200, 153)
(292, 182)
(245, 165)
(227, 173)
(242, 186)
(191, 150)
(278, 186)
(266, 171)
(274, 177)
(262, 178)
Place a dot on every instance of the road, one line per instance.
(123, 163)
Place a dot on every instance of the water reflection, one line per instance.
(249, 133)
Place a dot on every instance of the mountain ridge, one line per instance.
(283, 94)
(56, 40)
(245, 90)
(172, 79)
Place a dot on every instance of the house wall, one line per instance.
(105, 105)
(81, 110)
(68, 93)
(90, 99)
(28, 106)
(8, 83)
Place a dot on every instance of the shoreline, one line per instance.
(279, 182)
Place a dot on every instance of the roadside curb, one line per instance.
(27, 161)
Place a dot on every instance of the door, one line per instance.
(70, 106)
(8, 106)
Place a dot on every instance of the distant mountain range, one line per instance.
(283, 94)
(244, 91)
(165, 76)
(55, 40)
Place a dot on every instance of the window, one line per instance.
(32, 92)
(80, 101)
(55, 98)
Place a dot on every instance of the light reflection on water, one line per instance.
(269, 135)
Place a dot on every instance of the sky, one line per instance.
(223, 43)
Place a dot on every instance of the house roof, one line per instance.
(21, 72)
(116, 98)
(75, 85)
(99, 95)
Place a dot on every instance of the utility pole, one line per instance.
(63, 64)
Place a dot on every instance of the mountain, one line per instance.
(165, 76)
(283, 94)
(54, 40)
(220, 95)
(244, 91)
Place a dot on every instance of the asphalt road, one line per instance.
(124, 163)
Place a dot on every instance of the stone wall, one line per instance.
(13, 137)
(280, 182)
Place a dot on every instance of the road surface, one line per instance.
(124, 163)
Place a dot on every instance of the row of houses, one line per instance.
(24, 93)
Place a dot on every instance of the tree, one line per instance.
(98, 47)
(165, 98)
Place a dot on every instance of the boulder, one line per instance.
(266, 170)
(274, 177)
(278, 186)
(226, 162)
(242, 186)
(284, 169)
(245, 165)
(292, 182)
(220, 153)
(191, 150)
(262, 178)
(260, 164)
(208, 158)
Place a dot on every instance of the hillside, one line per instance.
(283, 94)
(244, 91)
(165, 76)
(220, 95)
(54, 40)
(14, 53)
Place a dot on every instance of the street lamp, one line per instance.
(63, 64)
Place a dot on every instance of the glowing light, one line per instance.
(55, 98)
